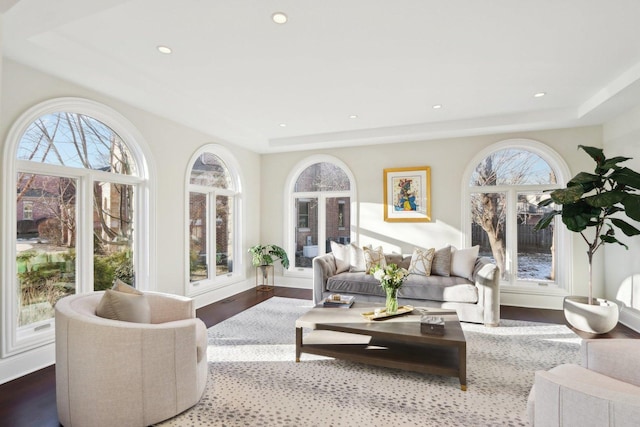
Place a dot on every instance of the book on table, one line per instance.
(342, 301)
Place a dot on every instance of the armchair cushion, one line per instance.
(601, 392)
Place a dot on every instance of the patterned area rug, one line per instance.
(254, 380)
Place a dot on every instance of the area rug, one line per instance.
(255, 381)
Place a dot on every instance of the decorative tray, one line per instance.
(382, 314)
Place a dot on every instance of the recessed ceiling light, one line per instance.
(164, 49)
(279, 18)
(353, 116)
(437, 106)
(539, 94)
(283, 125)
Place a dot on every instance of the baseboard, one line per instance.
(24, 363)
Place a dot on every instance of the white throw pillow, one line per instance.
(341, 255)
(421, 261)
(356, 258)
(373, 257)
(463, 261)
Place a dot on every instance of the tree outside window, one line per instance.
(505, 188)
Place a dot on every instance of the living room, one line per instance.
(603, 110)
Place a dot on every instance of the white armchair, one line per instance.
(111, 372)
(604, 391)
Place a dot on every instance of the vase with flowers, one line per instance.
(391, 279)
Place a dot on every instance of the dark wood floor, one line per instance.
(30, 401)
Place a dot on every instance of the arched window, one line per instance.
(213, 246)
(503, 186)
(321, 195)
(80, 212)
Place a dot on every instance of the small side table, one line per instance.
(263, 274)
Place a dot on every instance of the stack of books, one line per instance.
(336, 300)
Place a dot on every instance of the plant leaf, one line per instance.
(605, 200)
(578, 216)
(626, 228)
(631, 204)
(567, 195)
(596, 154)
(546, 220)
(627, 177)
(613, 162)
(611, 239)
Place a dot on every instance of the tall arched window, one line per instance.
(80, 212)
(213, 244)
(321, 195)
(503, 186)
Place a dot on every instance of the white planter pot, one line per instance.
(598, 318)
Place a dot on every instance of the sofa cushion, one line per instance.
(421, 261)
(463, 261)
(374, 257)
(125, 306)
(355, 283)
(433, 288)
(439, 288)
(441, 264)
(341, 255)
(400, 260)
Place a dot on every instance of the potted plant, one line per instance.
(265, 255)
(593, 204)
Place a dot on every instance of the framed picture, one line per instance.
(407, 194)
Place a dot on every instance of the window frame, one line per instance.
(563, 283)
(19, 339)
(213, 282)
(290, 220)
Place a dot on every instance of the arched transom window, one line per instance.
(213, 219)
(80, 182)
(504, 187)
(321, 200)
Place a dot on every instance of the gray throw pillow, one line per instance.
(441, 264)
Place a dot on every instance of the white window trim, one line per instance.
(233, 167)
(290, 215)
(16, 340)
(564, 276)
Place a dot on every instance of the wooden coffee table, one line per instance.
(392, 343)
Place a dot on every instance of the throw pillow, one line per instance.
(441, 265)
(421, 261)
(341, 255)
(373, 257)
(120, 286)
(463, 261)
(125, 306)
(356, 258)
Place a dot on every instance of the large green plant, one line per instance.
(267, 254)
(597, 201)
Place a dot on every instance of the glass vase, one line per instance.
(392, 301)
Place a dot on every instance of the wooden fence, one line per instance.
(529, 240)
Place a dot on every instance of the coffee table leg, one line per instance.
(462, 357)
(298, 343)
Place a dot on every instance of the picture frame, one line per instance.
(407, 194)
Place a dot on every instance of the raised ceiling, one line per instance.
(236, 75)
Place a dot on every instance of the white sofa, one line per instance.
(604, 391)
(116, 373)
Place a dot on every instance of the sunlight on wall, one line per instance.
(629, 291)
(403, 237)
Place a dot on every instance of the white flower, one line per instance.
(378, 274)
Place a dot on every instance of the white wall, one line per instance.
(622, 270)
(448, 159)
(171, 146)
